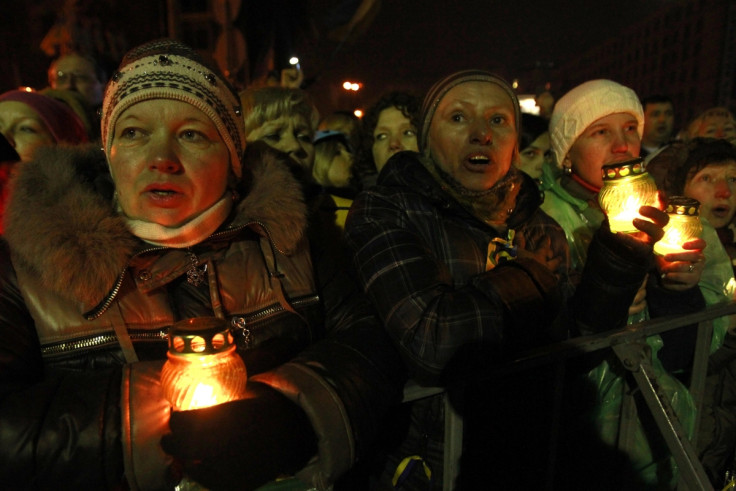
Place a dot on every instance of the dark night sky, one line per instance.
(409, 45)
(412, 43)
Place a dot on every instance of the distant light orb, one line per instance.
(354, 86)
(528, 104)
(358, 113)
(515, 83)
(293, 60)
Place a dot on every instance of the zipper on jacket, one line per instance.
(106, 302)
(102, 307)
(100, 341)
(242, 326)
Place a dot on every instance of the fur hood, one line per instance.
(61, 225)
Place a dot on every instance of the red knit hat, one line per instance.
(61, 121)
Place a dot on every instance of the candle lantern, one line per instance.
(203, 368)
(684, 225)
(627, 186)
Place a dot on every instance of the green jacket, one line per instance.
(571, 206)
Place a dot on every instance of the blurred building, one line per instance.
(686, 50)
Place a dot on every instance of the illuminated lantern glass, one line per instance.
(684, 225)
(627, 186)
(203, 368)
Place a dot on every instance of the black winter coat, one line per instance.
(422, 260)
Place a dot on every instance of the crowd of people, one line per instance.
(432, 241)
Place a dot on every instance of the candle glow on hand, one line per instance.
(204, 395)
(198, 382)
(623, 220)
(671, 243)
(679, 230)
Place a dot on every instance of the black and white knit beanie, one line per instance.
(168, 69)
(442, 87)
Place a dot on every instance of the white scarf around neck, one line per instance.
(191, 233)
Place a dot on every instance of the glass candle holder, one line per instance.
(684, 225)
(202, 368)
(627, 186)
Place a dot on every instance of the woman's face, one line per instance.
(718, 126)
(23, 128)
(532, 157)
(168, 162)
(715, 187)
(340, 170)
(290, 134)
(472, 135)
(610, 139)
(393, 133)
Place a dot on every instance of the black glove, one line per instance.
(636, 248)
(242, 444)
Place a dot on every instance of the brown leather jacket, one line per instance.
(82, 300)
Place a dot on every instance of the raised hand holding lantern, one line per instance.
(627, 186)
(684, 225)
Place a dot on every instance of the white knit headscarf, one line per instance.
(586, 103)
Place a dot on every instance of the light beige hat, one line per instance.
(585, 104)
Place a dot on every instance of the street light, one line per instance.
(353, 86)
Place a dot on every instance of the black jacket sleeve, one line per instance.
(614, 270)
(60, 427)
(347, 381)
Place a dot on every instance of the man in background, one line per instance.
(79, 73)
(659, 123)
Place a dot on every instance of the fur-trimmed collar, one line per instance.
(62, 227)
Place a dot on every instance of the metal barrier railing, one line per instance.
(627, 344)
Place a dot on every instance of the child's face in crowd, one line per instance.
(610, 139)
(715, 187)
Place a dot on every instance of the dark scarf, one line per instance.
(492, 206)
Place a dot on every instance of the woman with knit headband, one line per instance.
(596, 123)
(466, 270)
(103, 252)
